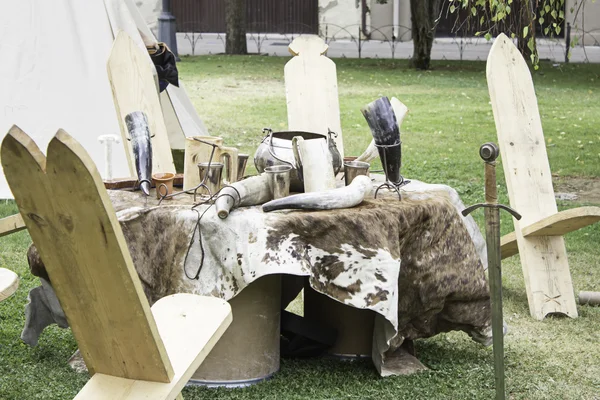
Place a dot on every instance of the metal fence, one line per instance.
(205, 16)
(385, 44)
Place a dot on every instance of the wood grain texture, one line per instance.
(554, 225)
(563, 222)
(527, 173)
(73, 224)
(197, 152)
(11, 224)
(190, 326)
(134, 89)
(508, 245)
(311, 89)
(9, 283)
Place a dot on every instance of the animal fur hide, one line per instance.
(417, 262)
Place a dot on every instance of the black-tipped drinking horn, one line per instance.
(386, 134)
(139, 132)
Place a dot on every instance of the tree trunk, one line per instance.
(235, 17)
(423, 16)
(526, 19)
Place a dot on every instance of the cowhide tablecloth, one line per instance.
(417, 262)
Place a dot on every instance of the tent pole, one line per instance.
(166, 27)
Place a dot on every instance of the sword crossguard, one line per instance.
(474, 207)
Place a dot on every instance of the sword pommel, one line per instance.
(489, 152)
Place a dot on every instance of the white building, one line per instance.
(380, 19)
(346, 18)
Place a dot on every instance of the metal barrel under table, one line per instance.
(249, 350)
(354, 326)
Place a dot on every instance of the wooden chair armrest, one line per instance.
(555, 225)
(563, 222)
(508, 245)
(9, 282)
(11, 224)
(189, 326)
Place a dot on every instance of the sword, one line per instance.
(489, 152)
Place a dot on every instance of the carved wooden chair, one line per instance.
(538, 236)
(132, 350)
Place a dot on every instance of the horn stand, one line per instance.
(392, 186)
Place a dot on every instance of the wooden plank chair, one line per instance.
(9, 282)
(538, 236)
(132, 351)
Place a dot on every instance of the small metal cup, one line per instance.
(242, 161)
(212, 172)
(354, 168)
(279, 180)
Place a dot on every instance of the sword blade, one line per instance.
(492, 237)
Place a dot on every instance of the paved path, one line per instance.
(444, 48)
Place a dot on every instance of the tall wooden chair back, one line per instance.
(134, 88)
(311, 89)
(72, 222)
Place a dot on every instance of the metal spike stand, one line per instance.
(393, 186)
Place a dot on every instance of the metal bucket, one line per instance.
(354, 326)
(248, 352)
(276, 149)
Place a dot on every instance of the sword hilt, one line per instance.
(474, 207)
(489, 152)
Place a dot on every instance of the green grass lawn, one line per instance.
(450, 117)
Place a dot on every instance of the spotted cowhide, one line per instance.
(417, 262)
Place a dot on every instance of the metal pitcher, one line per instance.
(276, 149)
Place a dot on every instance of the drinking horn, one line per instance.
(344, 197)
(139, 133)
(400, 110)
(248, 192)
(386, 134)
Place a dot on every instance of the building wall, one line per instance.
(340, 14)
(339, 18)
(342, 18)
(382, 20)
(587, 24)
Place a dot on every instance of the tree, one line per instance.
(235, 21)
(423, 15)
(516, 18)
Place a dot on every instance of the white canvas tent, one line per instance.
(53, 75)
